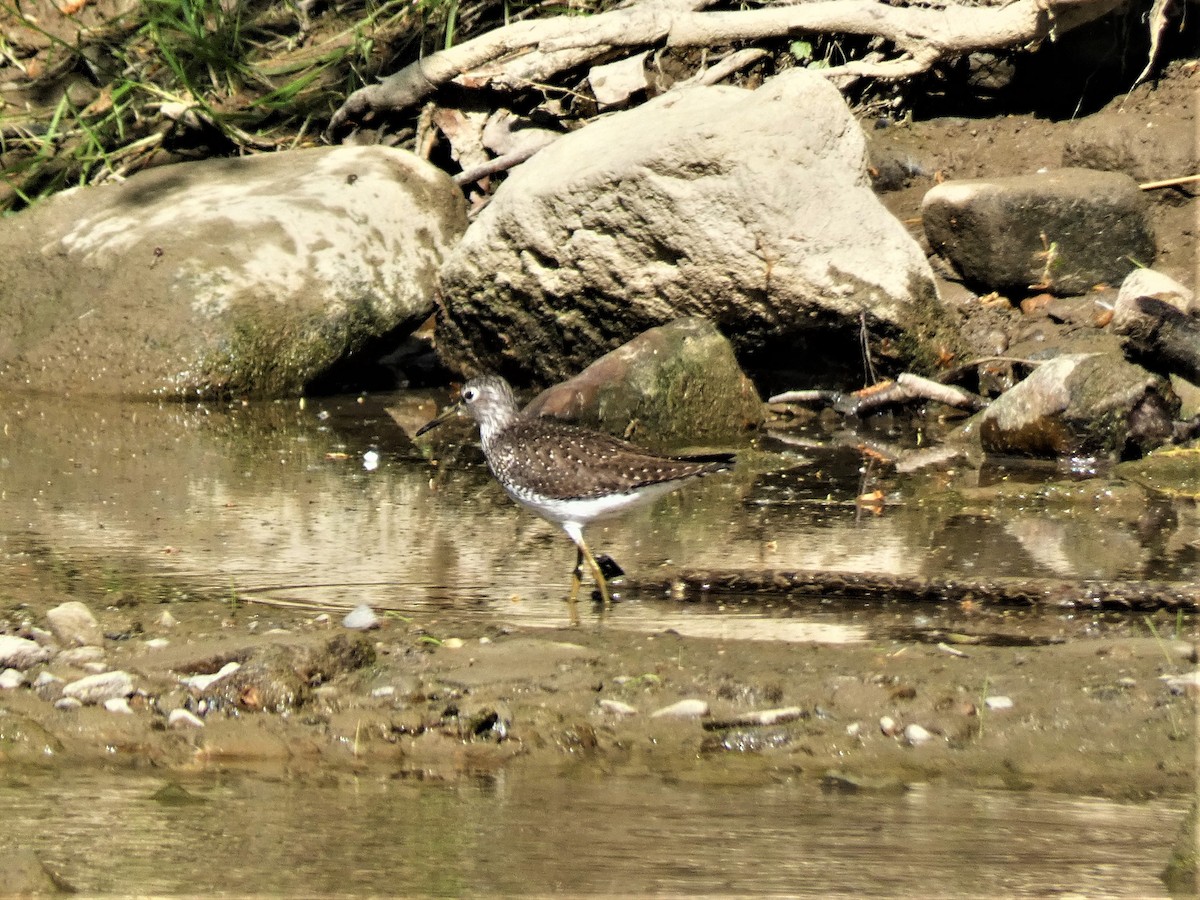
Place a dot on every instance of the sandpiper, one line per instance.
(569, 475)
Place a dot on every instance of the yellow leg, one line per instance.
(584, 554)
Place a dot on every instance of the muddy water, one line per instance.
(515, 834)
(282, 509)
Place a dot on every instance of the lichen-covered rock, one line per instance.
(669, 386)
(1080, 405)
(752, 209)
(247, 276)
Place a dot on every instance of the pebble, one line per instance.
(44, 679)
(157, 643)
(453, 643)
(80, 656)
(201, 683)
(361, 618)
(915, 734)
(166, 620)
(101, 687)
(684, 709)
(998, 702)
(853, 729)
(74, 625)
(887, 725)
(68, 703)
(182, 718)
(118, 705)
(94, 668)
(11, 679)
(387, 690)
(19, 653)
(617, 708)
(322, 619)
(1183, 684)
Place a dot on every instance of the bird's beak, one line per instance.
(450, 413)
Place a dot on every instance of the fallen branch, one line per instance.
(534, 50)
(1058, 593)
(905, 388)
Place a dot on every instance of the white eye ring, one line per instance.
(469, 394)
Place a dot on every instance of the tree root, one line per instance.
(534, 51)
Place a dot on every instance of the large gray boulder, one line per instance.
(749, 208)
(237, 276)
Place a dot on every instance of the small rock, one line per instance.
(182, 718)
(19, 653)
(888, 726)
(361, 618)
(386, 690)
(1183, 684)
(453, 643)
(48, 687)
(322, 619)
(916, 735)
(201, 683)
(118, 705)
(10, 679)
(101, 687)
(166, 620)
(998, 702)
(68, 703)
(80, 656)
(684, 709)
(94, 668)
(74, 625)
(157, 643)
(853, 729)
(617, 708)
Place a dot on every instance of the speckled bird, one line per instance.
(569, 475)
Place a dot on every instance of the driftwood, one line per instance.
(527, 53)
(1056, 593)
(906, 388)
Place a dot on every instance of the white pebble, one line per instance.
(853, 729)
(157, 643)
(74, 625)
(166, 620)
(45, 678)
(202, 683)
(370, 460)
(361, 618)
(95, 668)
(887, 725)
(387, 690)
(998, 702)
(18, 653)
(915, 734)
(101, 687)
(1183, 684)
(182, 718)
(10, 679)
(617, 708)
(118, 705)
(453, 643)
(684, 709)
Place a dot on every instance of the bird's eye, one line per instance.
(469, 394)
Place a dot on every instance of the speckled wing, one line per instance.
(562, 462)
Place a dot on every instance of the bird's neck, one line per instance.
(493, 424)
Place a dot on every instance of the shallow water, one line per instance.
(586, 834)
(278, 505)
